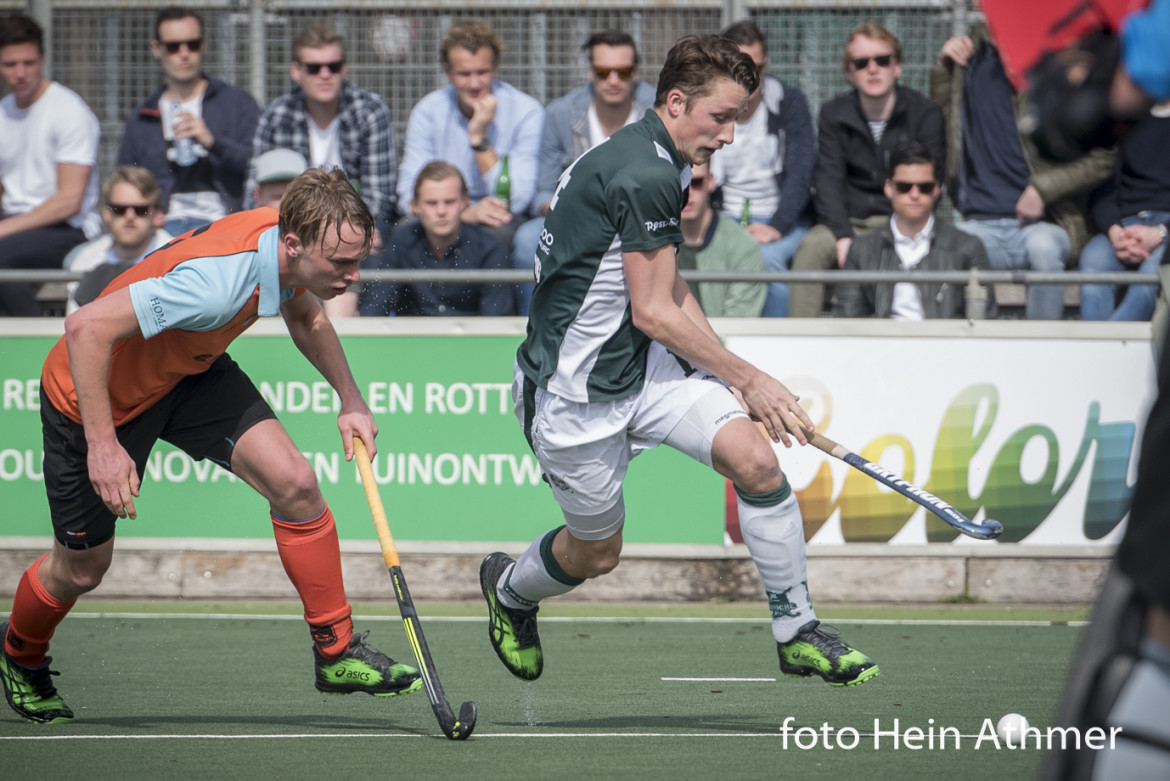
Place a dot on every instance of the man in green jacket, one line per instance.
(714, 242)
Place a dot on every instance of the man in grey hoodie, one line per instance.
(578, 121)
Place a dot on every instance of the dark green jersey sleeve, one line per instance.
(644, 202)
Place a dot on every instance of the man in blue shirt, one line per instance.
(476, 123)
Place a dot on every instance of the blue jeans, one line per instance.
(524, 257)
(1036, 246)
(180, 225)
(778, 257)
(1098, 302)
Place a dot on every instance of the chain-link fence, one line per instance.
(101, 48)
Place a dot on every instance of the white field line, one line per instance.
(664, 678)
(581, 619)
(477, 736)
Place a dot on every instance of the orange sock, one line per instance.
(312, 558)
(34, 618)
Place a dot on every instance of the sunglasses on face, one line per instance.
(194, 46)
(926, 188)
(625, 74)
(882, 60)
(120, 209)
(313, 68)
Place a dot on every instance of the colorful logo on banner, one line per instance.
(1010, 494)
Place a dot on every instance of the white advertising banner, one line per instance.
(1035, 425)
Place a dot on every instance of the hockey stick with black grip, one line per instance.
(988, 530)
(454, 728)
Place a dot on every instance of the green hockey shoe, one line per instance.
(363, 668)
(819, 650)
(512, 632)
(29, 688)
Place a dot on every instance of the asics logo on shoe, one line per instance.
(353, 675)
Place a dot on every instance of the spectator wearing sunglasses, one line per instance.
(134, 217)
(574, 123)
(857, 132)
(475, 123)
(335, 124)
(1029, 212)
(216, 120)
(768, 167)
(48, 162)
(912, 239)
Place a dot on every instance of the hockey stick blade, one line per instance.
(453, 728)
(988, 530)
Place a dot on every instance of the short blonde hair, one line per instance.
(318, 200)
(876, 32)
(471, 35)
(139, 178)
(317, 36)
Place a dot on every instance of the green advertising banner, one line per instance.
(452, 461)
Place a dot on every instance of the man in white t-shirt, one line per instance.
(48, 159)
(194, 133)
(765, 175)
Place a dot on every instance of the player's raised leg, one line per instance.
(773, 531)
(306, 537)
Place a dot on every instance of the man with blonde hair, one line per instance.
(133, 214)
(147, 361)
(857, 131)
(333, 123)
(476, 123)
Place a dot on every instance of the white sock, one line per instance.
(536, 575)
(773, 530)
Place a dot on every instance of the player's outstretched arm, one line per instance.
(90, 334)
(315, 337)
(658, 312)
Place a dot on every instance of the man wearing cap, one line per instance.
(194, 133)
(274, 170)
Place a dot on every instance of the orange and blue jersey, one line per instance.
(192, 298)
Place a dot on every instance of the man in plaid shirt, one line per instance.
(333, 123)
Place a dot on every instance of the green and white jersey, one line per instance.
(624, 195)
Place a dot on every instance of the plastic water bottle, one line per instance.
(745, 216)
(504, 183)
(184, 147)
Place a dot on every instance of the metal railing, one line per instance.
(517, 276)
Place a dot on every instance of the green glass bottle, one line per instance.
(504, 183)
(745, 216)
